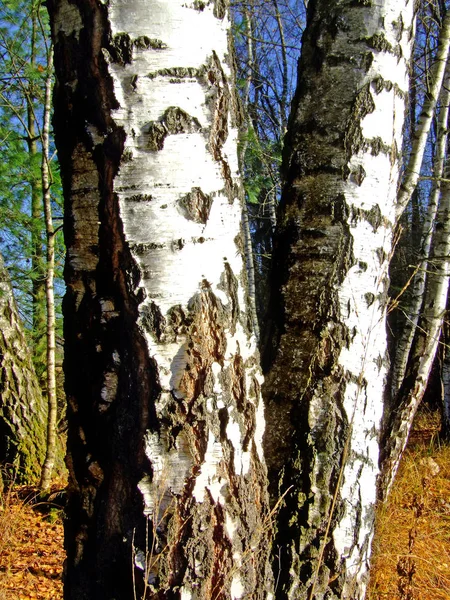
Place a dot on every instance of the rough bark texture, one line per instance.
(167, 493)
(326, 357)
(22, 408)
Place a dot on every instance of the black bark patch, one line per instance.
(153, 320)
(363, 105)
(121, 49)
(220, 8)
(139, 198)
(229, 284)
(177, 323)
(176, 73)
(199, 5)
(174, 121)
(372, 216)
(144, 43)
(196, 205)
(177, 245)
(219, 103)
(377, 145)
(379, 42)
(238, 382)
(358, 175)
(369, 298)
(142, 248)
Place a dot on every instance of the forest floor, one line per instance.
(411, 549)
(411, 559)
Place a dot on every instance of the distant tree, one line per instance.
(28, 194)
(267, 48)
(423, 297)
(22, 406)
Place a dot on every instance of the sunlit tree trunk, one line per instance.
(22, 408)
(326, 361)
(424, 345)
(406, 336)
(52, 402)
(37, 246)
(167, 491)
(445, 428)
(419, 141)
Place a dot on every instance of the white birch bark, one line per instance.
(163, 236)
(412, 170)
(52, 401)
(362, 297)
(403, 346)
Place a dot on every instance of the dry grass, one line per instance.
(411, 551)
(411, 559)
(31, 547)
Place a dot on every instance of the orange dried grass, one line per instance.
(413, 528)
(31, 549)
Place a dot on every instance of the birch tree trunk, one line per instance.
(52, 401)
(326, 363)
(22, 407)
(406, 336)
(37, 246)
(419, 141)
(424, 347)
(167, 492)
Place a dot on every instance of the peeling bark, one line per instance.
(332, 248)
(167, 479)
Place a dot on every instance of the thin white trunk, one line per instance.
(245, 129)
(250, 264)
(406, 337)
(49, 462)
(412, 170)
(284, 71)
(426, 341)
